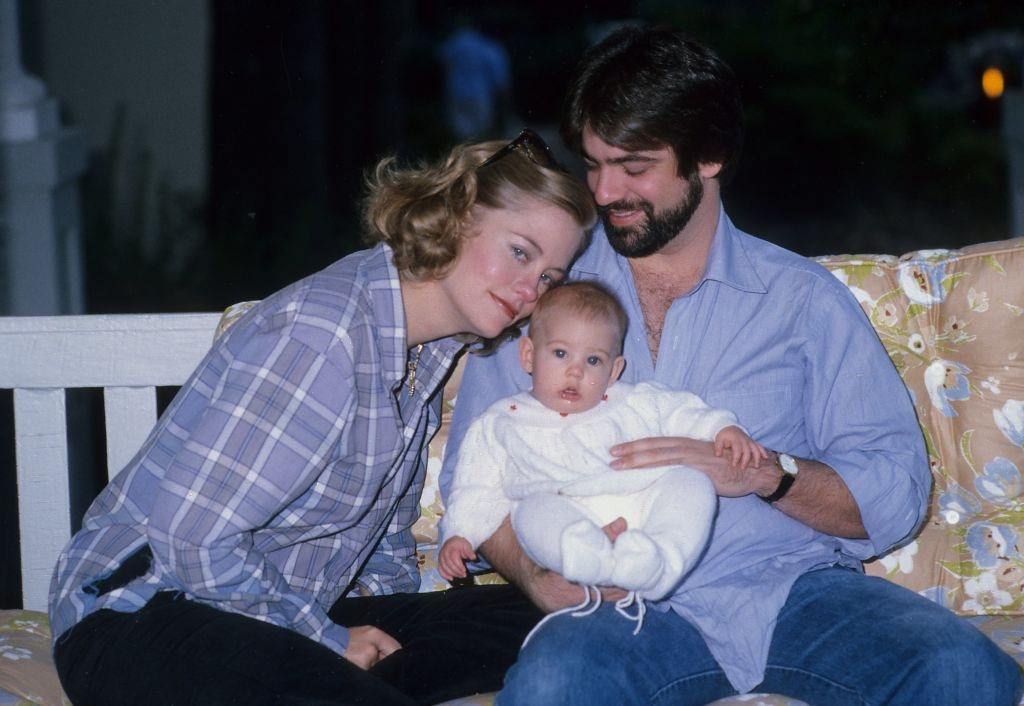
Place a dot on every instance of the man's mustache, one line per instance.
(624, 206)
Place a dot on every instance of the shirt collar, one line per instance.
(384, 290)
(728, 259)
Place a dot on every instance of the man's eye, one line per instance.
(559, 353)
(635, 172)
(594, 360)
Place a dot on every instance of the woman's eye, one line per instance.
(520, 254)
(559, 353)
(593, 360)
(547, 280)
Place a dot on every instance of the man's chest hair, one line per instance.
(656, 295)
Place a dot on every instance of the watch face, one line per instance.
(788, 463)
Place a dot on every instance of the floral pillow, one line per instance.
(953, 324)
(27, 675)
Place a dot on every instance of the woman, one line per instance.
(221, 565)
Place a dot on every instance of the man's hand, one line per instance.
(730, 481)
(368, 645)
(819, 498)
(547, 590)
(744, 450)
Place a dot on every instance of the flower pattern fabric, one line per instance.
(27, 676)
(952, 323)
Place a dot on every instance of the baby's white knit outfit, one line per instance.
(551, 473)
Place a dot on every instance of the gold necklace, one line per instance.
(411, 367)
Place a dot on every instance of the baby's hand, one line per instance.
(745, 451)
(451, 560)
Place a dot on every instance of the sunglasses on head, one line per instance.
(532, 145)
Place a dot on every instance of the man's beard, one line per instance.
(657, 230)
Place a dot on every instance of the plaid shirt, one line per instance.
(288, 467)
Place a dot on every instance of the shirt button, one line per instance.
(951, 516)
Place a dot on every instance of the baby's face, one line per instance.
(572, 360)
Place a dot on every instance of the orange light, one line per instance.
(992, 82)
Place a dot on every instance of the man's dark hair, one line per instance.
(643, 88)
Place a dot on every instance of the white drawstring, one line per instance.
(577, 611)
(629, 599)
(587, 607)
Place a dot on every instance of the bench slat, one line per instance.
(102, 351)
(41, 445)
(130, 414)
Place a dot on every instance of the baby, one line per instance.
(543, 457)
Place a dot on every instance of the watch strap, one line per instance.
(785, 483)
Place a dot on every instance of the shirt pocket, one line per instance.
(774, 412)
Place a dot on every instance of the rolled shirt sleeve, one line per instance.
(861, 422)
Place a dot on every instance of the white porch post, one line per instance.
(40, 162)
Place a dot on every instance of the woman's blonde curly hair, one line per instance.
(424, 212)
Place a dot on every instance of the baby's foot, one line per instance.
(638, 561)
(586, 554)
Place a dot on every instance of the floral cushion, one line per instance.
(952, 323)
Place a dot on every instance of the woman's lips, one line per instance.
(509, 309)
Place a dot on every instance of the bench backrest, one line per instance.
(128, 356)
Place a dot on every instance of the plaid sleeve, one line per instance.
(263, 436)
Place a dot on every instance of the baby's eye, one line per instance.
(559, 353)
(594, 360)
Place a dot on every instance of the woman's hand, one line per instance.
(730, 481)
(368, 645)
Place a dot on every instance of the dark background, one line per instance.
(867, 131)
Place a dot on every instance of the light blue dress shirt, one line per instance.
(780, 342)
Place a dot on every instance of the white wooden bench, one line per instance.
(128, 356)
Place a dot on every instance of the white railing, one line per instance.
(129, 356)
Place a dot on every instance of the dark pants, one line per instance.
(176, 651)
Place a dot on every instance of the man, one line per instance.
(778, 602)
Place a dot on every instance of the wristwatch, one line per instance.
(787, 464)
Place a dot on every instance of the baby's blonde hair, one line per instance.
(590, 300)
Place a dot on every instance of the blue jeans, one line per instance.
(842, 638)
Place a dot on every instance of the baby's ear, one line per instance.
(617, 366)
(526, 354)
